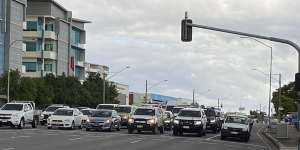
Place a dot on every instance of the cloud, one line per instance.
(146, 35)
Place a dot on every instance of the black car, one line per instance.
(190, 120)
(213, 120)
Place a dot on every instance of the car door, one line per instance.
(76, 118)
(28, 113)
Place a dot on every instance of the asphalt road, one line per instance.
(54, 139)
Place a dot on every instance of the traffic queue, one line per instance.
(153, 118)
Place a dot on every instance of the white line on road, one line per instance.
(212, 137)
(74, 139)
(135, 141)
(9, 148)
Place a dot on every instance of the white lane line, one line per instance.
(212, 137)
(74, 139)
(11, 148)
(22, 136)
(136, 141)
(262, 139)
(236, 143)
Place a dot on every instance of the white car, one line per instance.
(17, 114)
(236, 126)
(65, 118)
(49, 111)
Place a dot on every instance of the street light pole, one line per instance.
(8, 69)
(104, 80)
(148, 88)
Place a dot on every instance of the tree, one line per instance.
(45, 93)
(27, 90)
(15, 80)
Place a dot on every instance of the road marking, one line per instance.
(212, 137)
(74, 139)
(9, 148)
(262, 139)
(236, 143)
(136, 141)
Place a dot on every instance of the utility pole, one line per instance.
(279, 98)
(193, 96)
(103, 94)
(146, 92)
(218, 102)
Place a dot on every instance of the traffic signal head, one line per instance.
(297, 82)
(186, 30)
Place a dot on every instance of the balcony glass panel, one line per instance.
(30, 66)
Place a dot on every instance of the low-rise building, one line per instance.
(123, 96)
(94, 69)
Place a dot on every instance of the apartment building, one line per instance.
(54, 41)
(12, 17)
(95, 68)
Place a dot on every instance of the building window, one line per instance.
(49, 27)
(78, 55)
(75, 37)
(49, 47)
(31, 46)
(48, 67)
(32, 26)
(30, 66)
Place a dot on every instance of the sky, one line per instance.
(145, 35)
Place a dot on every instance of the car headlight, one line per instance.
(244, 129)
(151, 121)
(125, 117)
(130, 120)
(176, 121)
(42, 115)
(167, 121)
(212, 121)
(108, 121)
(87, 120)
(225, 127)
(198, 123)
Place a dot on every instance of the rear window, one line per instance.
(102, 114)
(236, 119)
(189, 113)
(210, 113)
(87, 112)
(147, 112)
(52, 108)
(17, 107)
(123, 109)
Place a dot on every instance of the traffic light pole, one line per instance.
(274, 39)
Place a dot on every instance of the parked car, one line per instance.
(168, 120)
(86, 114)
(146, 119)
(107, 106)
(213, 120)
(190, 120)
(176, 110)
(49, 111)
(17, 114)
(125, 111)
(236, 126)
(104, 120)
(65, 118)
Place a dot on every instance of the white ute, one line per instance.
(17, 114)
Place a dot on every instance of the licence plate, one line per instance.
(234, 133)
(139, 126)
(186, 127)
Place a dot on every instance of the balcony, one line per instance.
(32, 34)
(36, 74)
(33, 54)
(50, 55)
(50, 35)
(79, 45)
(80, 63)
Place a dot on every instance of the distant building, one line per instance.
(123, 95)
(139, 99)
(12, 17)
(54, 41)
(95, 68)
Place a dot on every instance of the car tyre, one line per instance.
(222, 137)
(72, 126)
(119, 127)
(49, 127)
(155, 129)
(33, 124)
(21, 124)
(130, 131)
(246, 139)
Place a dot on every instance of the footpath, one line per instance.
(290, 143)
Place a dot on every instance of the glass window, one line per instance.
(30, 66)
(49, 27)
(48, 67)
(51, 108)
(147, 112)
(49, 47)
(32, 26)
(189, 113)
(63, 112)
(31, 46)
(17, 107)
(102, 114)
(123, 109)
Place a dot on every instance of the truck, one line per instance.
(18, 114)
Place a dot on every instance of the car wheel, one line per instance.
(223, 137)
(80, 126)
(21, 124)
(204, 132)
(247, 139)
(33, 124)
(130, 131)
(119, 127)
(110, 128)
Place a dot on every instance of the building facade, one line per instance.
(54, 41)
(139, 99)
(123, 96)
(95, 68)
(12, 17)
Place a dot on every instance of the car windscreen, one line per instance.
(176, 110)
(236, 119)
(169, 108)
(52, 108)
(210, 113)
(17, 107)
(86, 112)
(123, 109)
(101, 114)
(63, 112)
(147, 112)
(109, 107)
(189, 113)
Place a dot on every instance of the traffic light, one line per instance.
(297, 82)
(186, 30)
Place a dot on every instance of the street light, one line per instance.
(271, 63)
(279, 90)
(103, 94)
(154, 85)
(203, 92)
(8, 67)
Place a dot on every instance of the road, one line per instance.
(44, 139)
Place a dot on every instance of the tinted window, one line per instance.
(236, 119)
(169, 108)
(189, 113)
(63, 112)
(147, 112)
(176, 110)
(52, 108)
(17, 107)
(210, 112)
(110, 107)
(102, 114)
(123, 109)
(86, 112)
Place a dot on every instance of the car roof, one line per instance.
(192, 109)
(104, 110)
